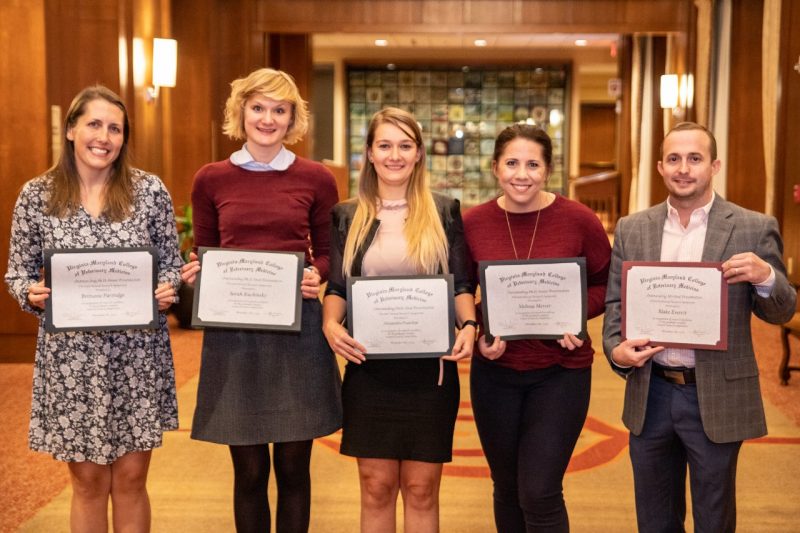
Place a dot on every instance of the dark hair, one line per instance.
(65, 189)
(688, 126)
(526, 131)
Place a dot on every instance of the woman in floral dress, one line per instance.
(101, 399)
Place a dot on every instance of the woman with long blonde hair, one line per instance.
(399, 414)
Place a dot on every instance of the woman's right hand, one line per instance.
(189, 270)
(494, 350)
(37, 294)
(343, 344)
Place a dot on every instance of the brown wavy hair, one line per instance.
(65, 190)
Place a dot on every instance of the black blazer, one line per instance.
(450, 215)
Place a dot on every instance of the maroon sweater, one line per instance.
(566, 229)
(271, 210)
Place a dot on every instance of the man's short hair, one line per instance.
(687, 126)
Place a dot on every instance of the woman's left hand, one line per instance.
(310, 284)
(570, 342)
(166, 295)
(465, 342)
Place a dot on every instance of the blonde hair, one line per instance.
(65, 194)
(269, 83)
(426, 241)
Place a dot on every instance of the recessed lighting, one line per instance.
(480, 42)
(391, 66)
(581, 42)
(381, 42)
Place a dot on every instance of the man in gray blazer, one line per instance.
(695, 407)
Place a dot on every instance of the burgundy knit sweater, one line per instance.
(271, 210)
(566, 229)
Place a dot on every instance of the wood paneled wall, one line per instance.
(446, 16)
(658, 191)
(24, 139)
(787, 162)
(50, 51)
(745, 170)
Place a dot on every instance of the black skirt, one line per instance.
(266, 386)
(394, 409)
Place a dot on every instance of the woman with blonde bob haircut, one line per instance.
(258, 386)
(399, 414)
(274, 84)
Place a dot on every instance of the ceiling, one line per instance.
(463, 40)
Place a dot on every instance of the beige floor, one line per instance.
(190, 482)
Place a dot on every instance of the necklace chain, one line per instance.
(533, 238)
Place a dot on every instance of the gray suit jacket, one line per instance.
(727, 382)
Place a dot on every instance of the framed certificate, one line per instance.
(678, 305)
(534, 298)
(248, 289)
(402, 317)
(95, 289)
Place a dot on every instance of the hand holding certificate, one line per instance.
(534, 298)
(402, 317)
(248, 289)
(680, 305)
(95, 289)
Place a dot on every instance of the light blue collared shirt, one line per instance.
(243, 158)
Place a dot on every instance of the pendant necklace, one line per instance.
(533, 238)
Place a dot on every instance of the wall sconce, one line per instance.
(677, 93)
(165, 66)
(669, 91)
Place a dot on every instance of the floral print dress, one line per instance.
(97, 395)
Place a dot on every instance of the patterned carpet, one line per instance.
(190, 482)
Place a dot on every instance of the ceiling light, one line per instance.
(480, 42)
(581, 42)
(381, 42)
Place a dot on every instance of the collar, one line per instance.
(701, 211)
(243, 158)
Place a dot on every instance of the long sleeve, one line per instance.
(164, 235)
(612, 328)
(780, 305)
(458, 260)
(336, 282)
(25, 260)
(205, 220)
(320, 222)
(597, 251)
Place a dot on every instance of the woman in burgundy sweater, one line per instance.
(260, 387)
(530, 397)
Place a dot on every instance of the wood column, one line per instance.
(24, 141)
(745, 165)
(624, 152)
(291, 52)
(787, 162)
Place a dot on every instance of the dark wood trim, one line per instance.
(466, 16)
(624, 153)
(745, 160)
(787, 162)
(656, 123)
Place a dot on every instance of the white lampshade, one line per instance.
(165, 62)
